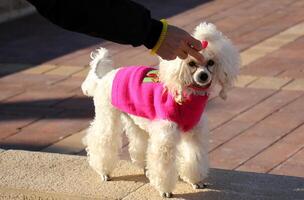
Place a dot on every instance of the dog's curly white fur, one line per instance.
(158, 146)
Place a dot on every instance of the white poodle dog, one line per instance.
(160, 110)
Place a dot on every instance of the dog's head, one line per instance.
(221, 64)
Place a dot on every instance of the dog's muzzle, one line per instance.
(202, 77)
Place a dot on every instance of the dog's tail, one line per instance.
(100, 65)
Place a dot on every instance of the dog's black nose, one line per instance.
(203, 76)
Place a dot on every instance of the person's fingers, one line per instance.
(168, 55)
(182, 54)
(194, 43)
(199, 57)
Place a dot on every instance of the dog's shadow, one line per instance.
(227, 185)
(132, 178)
(197, 194)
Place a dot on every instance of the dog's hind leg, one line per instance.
(138, 140)
(104, 141)
(192, 156)
(161, 154)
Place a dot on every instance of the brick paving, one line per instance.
(260, 128)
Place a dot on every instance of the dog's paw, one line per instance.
(166, 194)
(199, 186)
(105, 177)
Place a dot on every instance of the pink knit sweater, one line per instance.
(137, 93)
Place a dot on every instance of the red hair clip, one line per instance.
(204, 44)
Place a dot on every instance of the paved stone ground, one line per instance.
(66, 177)
(260, 128)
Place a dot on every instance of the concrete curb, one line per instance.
(37, 175)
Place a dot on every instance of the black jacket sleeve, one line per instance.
(120, 21)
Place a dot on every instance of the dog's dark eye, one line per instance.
(210, 63)
(192, 64)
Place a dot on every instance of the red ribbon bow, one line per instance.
(204, 44)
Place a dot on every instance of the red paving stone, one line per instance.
(292, 167)
(45, 98)
(285, 62)
(238, 150)
(44, 132)
(9, 91)
(26, 81)
(239, 100)
(10, 124)
(277, 153)
(250, 117)
(257, 130)
(78, 102)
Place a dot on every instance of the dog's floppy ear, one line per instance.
(228, 66)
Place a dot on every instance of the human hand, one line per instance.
(179, 43)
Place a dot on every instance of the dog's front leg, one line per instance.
(161, 154)
(193, 164)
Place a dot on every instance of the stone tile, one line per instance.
(78, 61)
(239, 100)
(70, 177)
(231, 154)
(24, 112)
(297, 85)
(69, 145)
(226, 132)
(65, 70)
(40, 69)
(244, 80)
(291, 18)
(256, 139)
(277, 153)
(44, 98)
(227, 185)
(250, 117)
(10, 124)
(273, 43)
(47, 131)
(291, 167)
(216, 118)
(7, 93)
(142, 58)
(266, 66)
(295, 108)
(274, 64)
(63, 59)
(77, 103)
(70, 85)
(203, 11)
(293, 73)
(82, 73)
(64, 177)
(269, 83)
(26, 81)
(272, 15)
(250, 56)
(8, 68)
(217, 13)
(272, 104)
